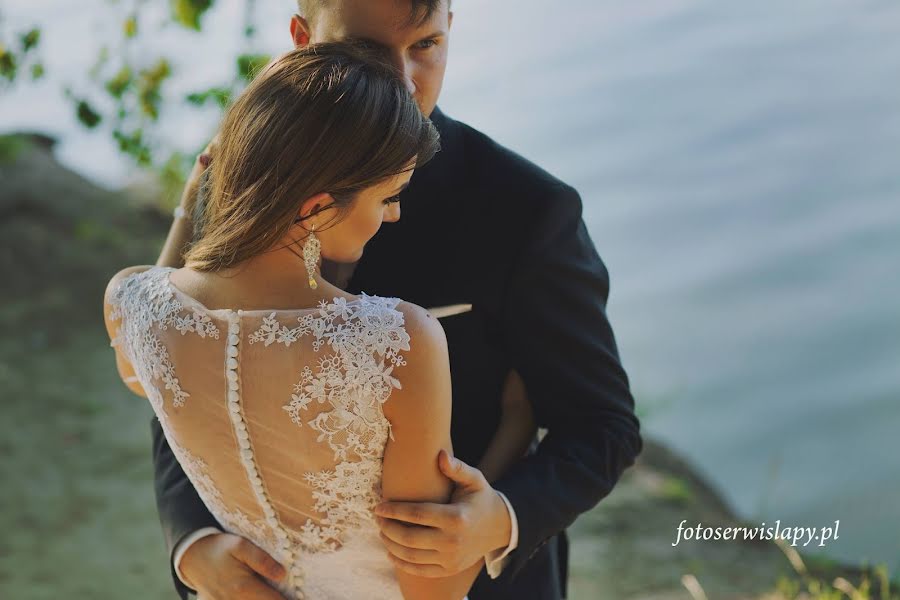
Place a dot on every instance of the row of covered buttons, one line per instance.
(246, 450)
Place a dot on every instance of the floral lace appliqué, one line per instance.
(144, 302)
(366, 337)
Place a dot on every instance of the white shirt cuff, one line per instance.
(186, 543)
(497, 560)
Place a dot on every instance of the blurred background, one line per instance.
(738, 164)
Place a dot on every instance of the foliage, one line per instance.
(13, 60)
(120, 82)
(89, 117)
(875, 583)
(248, 65)
(812, 588)
(221, 96)
(125, 94)
(149, 83)
(188, 12)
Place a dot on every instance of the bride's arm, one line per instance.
(126, 370)
(420, 417)
(181, 233)
(177, 242)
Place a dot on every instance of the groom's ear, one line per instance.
(300, 31)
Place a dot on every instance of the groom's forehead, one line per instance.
(375, 19)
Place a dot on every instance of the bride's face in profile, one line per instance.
(345, 240)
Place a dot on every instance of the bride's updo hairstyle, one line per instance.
(328, 118)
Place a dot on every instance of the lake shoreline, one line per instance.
(623, 548)
(79, 442)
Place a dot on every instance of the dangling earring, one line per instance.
(311, 249)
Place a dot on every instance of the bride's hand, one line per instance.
(228, 567)
(194, 180)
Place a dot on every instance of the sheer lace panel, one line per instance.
(276, 417)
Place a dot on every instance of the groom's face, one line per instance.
(416, 43)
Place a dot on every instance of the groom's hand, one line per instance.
(440, 540)
(228, 567)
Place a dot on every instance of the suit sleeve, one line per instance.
(555, 329)
(181, 511)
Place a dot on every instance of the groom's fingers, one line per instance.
(411, 536)
(227, 567)
(257, 559)
(420, 570)
(463, 475)
(412, 555)
(420, 513)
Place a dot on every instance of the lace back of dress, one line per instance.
(276, 417)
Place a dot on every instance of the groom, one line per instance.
(480, 226)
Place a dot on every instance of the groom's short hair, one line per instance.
(421, 10)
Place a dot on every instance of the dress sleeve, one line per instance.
(112, 317)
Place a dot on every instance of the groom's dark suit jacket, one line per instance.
(481, 225)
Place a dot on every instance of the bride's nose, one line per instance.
(392, 213)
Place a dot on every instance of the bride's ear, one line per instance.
(312, 206)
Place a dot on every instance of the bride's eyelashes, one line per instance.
(392, 200)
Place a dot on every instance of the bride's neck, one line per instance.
(276, 279)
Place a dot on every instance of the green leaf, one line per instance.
(8, 64)
(149, 85)
(130, 27)
(31, 39)
(220, 95)
(158, 72)
(89, 117)
(133, 145)
(37, 71)
(188, 12)
(120, 82)
(248, 65)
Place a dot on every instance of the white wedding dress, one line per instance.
(276, 418)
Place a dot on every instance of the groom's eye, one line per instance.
(426, 44)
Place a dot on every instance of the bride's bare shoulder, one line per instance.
(425, 375)
(123, 274)
(422, 327)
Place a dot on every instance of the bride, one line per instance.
(293, 406)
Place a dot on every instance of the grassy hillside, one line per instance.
(76, 506)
